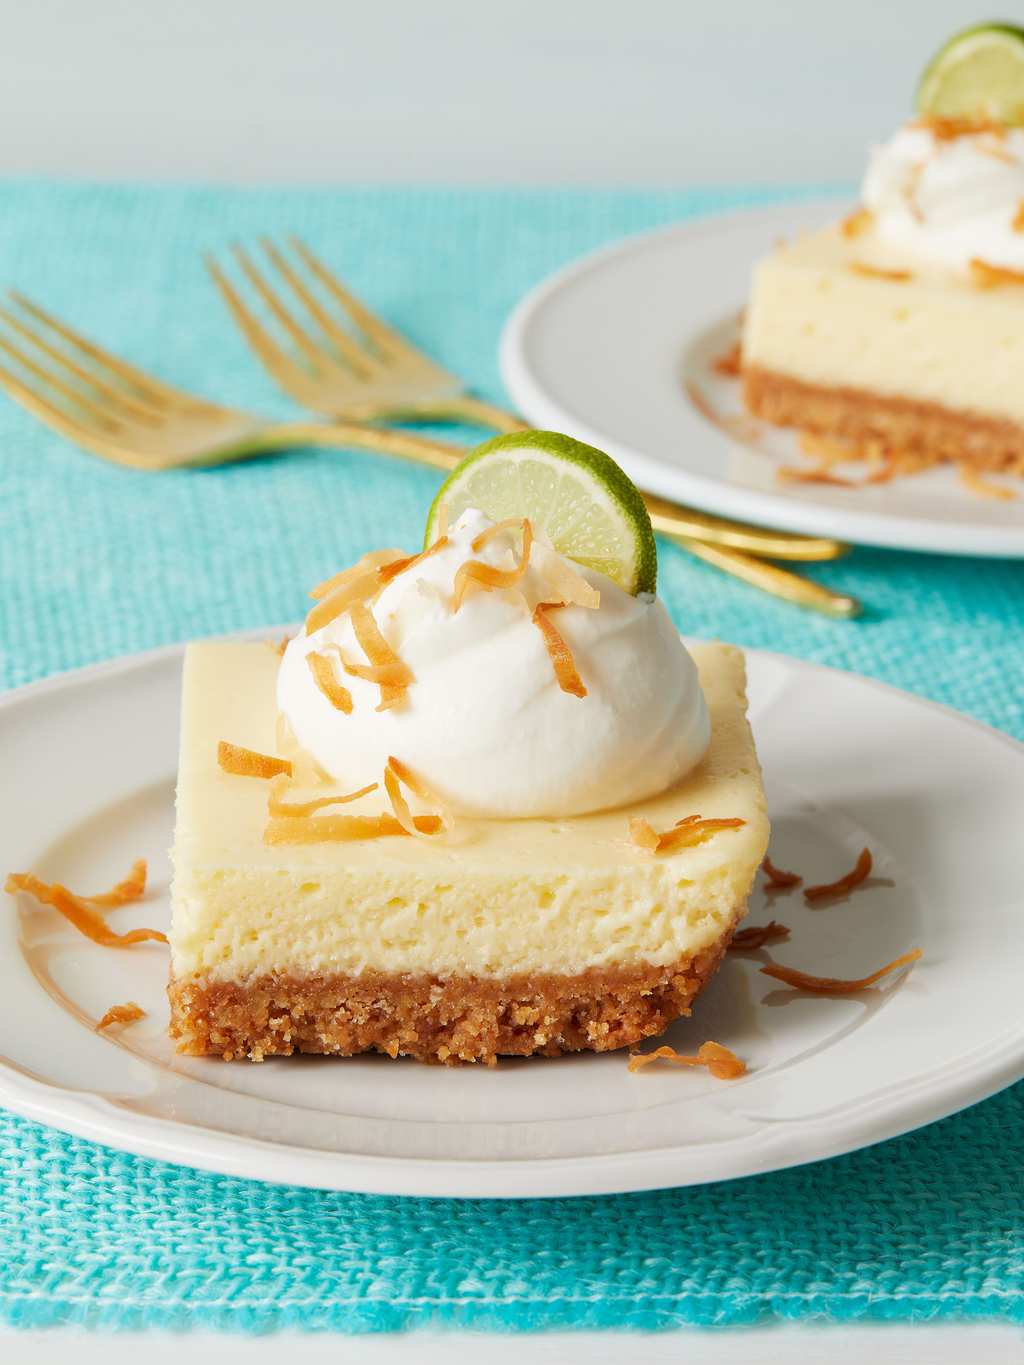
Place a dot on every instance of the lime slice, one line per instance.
(576, 495)
(979, 73)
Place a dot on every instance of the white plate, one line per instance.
(607, 348)
(89, 767)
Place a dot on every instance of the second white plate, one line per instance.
(89, 771)
(612, 349)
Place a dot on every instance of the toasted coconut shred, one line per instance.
(723, 1064)
(398, 802)
(396, 567)
(297, 822)
(885, 462)
(385, 675)
(988, 276)
(375, 560)
(693, 831)
(788, 473)
(341, 828)
(279, 646)
(977, 483)
(857, 222)
(643, 834)
(948, 127)
(394, 676)
(323, 675)
(701, 402)
(129, 889)
(242, 762)
(83, 911)
(757, 935)
(400, 566)
(686, 833)
(398, 772)
(827, 450)
(777, 878)
(490, 532)
(475, 573)
(892, 464)
(857, 874)
(390, 696)
(350, 593)
(298, 809)
(880, 273)
(1018, 218)
(730, 363)
(898, 464)
(399, 805)
(835, 985)
(568, 587)
(127, 1013)
(562, 661)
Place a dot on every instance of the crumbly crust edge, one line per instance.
(449, 1020)
(946, 435)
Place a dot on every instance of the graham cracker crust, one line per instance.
(436, 1019)
(906, 424)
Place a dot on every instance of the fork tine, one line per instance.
(118, 397)
(153, 389)
(54, 381)
(305, 342)
(389, 342)
(280, 365)
(353, 353)
(47, 412)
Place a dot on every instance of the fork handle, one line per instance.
(714, 542)
(462, 408)
(680, 523)
(791, 587)
(353, 436)
(670, 519)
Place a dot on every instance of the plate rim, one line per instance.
(877, 529)
(87, 1115)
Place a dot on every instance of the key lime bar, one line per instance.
(846, 337)
(900, 330)
(512, 936)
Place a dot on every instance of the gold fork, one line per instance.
(123, 414)
(347, 363)
(354, 366)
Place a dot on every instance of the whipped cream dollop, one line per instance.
(485, 723)
(943, 200)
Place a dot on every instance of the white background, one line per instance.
(601, 92)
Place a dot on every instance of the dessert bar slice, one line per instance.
(509, 936)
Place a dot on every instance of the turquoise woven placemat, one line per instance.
(97, 561)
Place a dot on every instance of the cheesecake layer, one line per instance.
(931, 357)
(450, 1020)
(498, 899)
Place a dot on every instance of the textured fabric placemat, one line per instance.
(97, 561)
